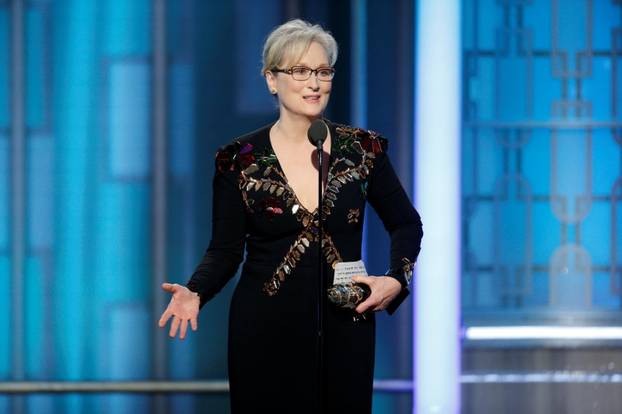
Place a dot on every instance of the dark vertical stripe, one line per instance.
(358, 82)
(405, 134)
(159, 190)
(18, 195)
(405, 94)
(292, 9)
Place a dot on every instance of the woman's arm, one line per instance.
(388, 198)
(226, 249)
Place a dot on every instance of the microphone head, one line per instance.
(317, 132)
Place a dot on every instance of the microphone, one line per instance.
(317, 132)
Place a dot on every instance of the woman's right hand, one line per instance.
(183, 307)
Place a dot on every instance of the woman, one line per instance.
(265, 199)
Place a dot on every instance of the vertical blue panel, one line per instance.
(129, 331)
(40, 208)
(537, 17)
(605, 167)
(39, 404)
(5, 270)
(40, 192)
(547, 88)
(5, 65)
(182, 124)
(572, 26)
(358, 90)
(481, 89)
(255, 20)
(604, 14)
(596, 86)
(122, 241)
(36, 363)
(129, 120)
(127, 28)
(5, 200)
(182, 228)
(489, 17)
(513, 75)
(437, 183)
(35, 67)
(74, 84)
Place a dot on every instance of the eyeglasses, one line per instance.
(302, 73)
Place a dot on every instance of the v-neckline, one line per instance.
(282, 171)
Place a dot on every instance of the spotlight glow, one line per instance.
(478, 333)
(437, 197)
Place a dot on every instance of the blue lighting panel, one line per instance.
(127, 27)
(438, 198)
(129, 120)
(5, 199)
(5, 66)
(256, 20)
(40, 192)
(35, 67)
(128, 339)
(181, 122)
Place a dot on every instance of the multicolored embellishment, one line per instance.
(353, 215)
(281, 199)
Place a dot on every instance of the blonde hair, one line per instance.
(290, 41)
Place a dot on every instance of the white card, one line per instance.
(345, 270)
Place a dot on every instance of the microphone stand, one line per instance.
(321, 282)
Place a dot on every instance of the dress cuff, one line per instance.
(404, 273)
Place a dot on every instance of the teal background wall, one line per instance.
(541, 171)
(87, 308)
(542, 161)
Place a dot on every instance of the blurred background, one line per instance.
(110, 116)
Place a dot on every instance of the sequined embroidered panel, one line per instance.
(265, 191)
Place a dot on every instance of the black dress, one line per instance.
(272, 347)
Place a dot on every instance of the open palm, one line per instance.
(183, 307)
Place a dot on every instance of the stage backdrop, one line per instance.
(94, 98)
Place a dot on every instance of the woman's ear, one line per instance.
(271, 82)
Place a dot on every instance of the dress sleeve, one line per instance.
(388, 198)
(226, 249)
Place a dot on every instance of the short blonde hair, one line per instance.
(290, 41)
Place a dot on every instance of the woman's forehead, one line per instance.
(313, 55)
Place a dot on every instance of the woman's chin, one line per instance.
(307, 111)
(314, 112)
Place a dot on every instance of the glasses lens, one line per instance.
(301, 73)
(325, 74)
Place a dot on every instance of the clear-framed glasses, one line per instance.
(302, 73)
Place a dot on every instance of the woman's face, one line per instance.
(307, 98)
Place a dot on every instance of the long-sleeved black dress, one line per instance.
(272, 347)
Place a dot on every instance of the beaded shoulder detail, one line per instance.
(243, 157)
(359, 140)
(234, 156)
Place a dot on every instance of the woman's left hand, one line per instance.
(383, 290)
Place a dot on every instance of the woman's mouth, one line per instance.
(312, 98)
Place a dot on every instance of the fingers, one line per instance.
(174, 326)
(165, 317)
(193, 323)
(183, 329)
(369, 303)
(368, 280)
(170, 287)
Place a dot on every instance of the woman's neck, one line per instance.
(294, 127)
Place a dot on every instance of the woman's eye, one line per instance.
(300, 71)
(324, 72)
